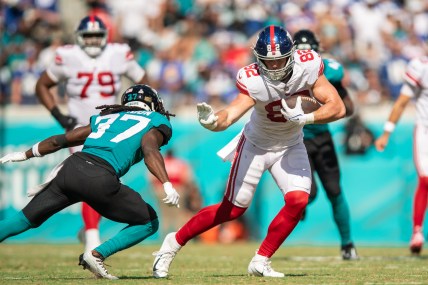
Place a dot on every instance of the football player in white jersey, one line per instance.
(415, 87)
(92, 70)
(272, 140)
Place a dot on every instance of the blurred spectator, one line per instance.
(180, 40)
(181, 176)
(391, 72)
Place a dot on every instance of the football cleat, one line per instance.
(349, 252)
(260, 266)
(417, 242)
(165, 256)
(95, 265)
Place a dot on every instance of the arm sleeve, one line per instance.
(166, 133)
(133, 70)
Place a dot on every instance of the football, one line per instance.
(309, 104)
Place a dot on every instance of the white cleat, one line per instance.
(260, 266)
(165, 256)
(417, 242)
(95, 265)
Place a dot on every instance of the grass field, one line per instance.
(213, 264)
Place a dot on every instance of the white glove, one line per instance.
(296, 114)
(14, 157)
(206, 116)
(172, 196)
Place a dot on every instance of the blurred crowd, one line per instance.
(192, 49)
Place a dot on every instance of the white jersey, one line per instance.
(416, 86)
(267, 127)
(91, 82)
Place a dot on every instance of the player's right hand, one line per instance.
(14, 157)
(382, 142)
(296, 114)
(206, 116)
(172, 197)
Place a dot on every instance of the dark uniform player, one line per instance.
(117, 138)
(321, 152)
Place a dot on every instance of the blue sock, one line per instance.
(341, 217)
(127, 237)
(14, 225)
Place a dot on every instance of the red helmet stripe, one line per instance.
(92, 18)
(272, 39)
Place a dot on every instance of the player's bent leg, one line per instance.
(419, 209)
(127, 237)
(14, 225)
(91, 219)
(204, 220)
(279, 229)
(95, 263)
(165, 256)
(260, 266)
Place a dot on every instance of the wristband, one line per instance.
(56, 113)
(167, 185)
(35, 150)
(389, 127)
(310, 118)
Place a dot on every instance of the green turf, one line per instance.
(213, 264)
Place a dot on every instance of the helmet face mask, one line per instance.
(306, 40)
(144, 97)
(274, 43)
(91, 35)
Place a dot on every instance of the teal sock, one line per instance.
(14, 225)
(341, 217)
(127, 237)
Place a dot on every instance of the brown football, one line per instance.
(309, 104)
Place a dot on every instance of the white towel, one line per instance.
(228, 151)
(36, 189)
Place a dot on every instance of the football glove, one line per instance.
(14, 157)
(206, 116)
(296, 114)
(67, 122)
(172, 197)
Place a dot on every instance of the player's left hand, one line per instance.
(294, 115)
(172, 197)
(14, 157)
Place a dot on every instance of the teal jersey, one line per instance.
(334, 72)
(116, 138)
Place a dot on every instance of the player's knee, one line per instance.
(154, 226)
(232, 212)
(298, 200)
(423, 181)
(332, 189)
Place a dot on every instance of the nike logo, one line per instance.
(156, 263)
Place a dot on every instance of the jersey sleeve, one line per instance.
(162, 124)
(240, 82)
(312, 64)
(56, 70)
(412, 78)
(133, 70)
(413, 72)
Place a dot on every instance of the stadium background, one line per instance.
(379, 186)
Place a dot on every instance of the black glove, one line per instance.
(67, 122)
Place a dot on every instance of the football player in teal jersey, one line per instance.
(320, 147)
(117, 138)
